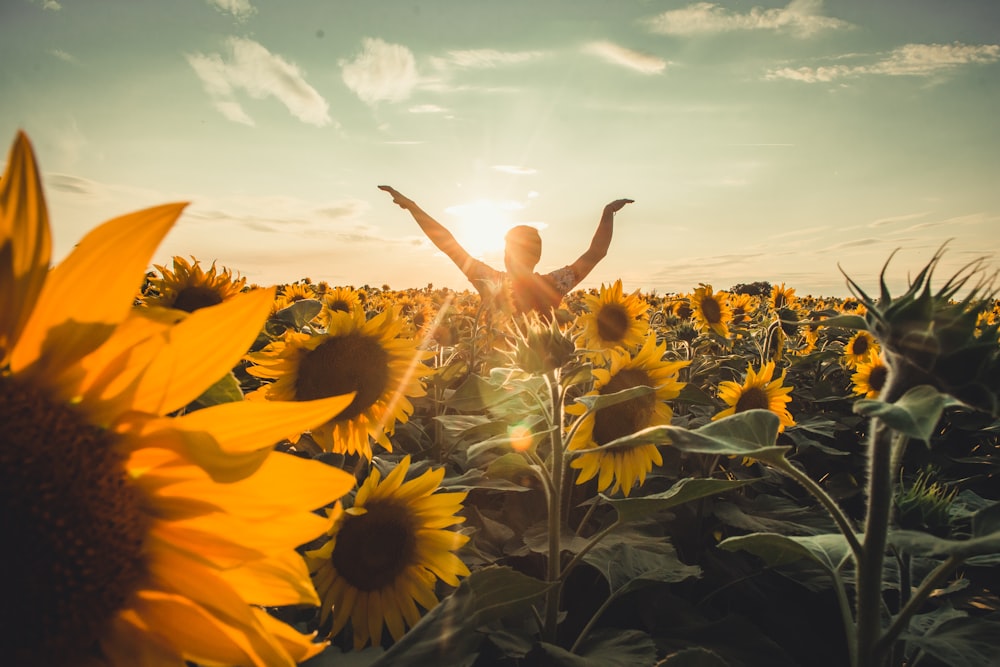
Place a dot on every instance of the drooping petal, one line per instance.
(25, 242)
(185, 366)
(108, 266)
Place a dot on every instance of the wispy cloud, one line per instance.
(483, 58)
(49, 5)
(253, 69)
(241, 9)
(619, 55)
(881, 222)
(381, 72)
(427, 108)
(64, 56)
(801, 18)
(907, 60)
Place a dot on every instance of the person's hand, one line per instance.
(397, 198)
(617, 205)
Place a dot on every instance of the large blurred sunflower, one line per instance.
(386, 553)
(612, 320)
(189, 287)
(353, 355)
(625, 467)
(711, 310)
(131, 537)
(758, 392)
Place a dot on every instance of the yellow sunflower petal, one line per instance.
(186, 366)
(25, 242)
(108, 266)
(281, 579)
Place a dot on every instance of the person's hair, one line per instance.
(524, 243)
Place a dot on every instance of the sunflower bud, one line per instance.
(925, 505)
(540, 347)
(928, 338)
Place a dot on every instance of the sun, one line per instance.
(481, 225)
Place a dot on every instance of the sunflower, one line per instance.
(758, 391)
(135, 538)
(342, 300)
(858, 348)
(625, 467)
(782, 297)
(386, 553)
(353, 355)
(711, 311)
(869, 376)
(189, 287)
(612, 320)
(742, 307)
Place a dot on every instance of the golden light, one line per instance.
(481, 225)
(520, 437)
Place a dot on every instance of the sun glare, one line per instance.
(481, 225)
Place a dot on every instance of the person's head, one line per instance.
(523, 249)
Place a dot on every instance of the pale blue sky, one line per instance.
(760, 140)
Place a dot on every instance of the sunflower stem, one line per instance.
(554, 594)
(824, 498)
(882, 443)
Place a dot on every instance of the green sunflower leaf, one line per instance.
(955, 638)
(598, 401)
(607, 648)
(925, 544)
(627, 567)
(827, 551)
(683, 491)
(751, 433)
(298, 314)
(225, 390)
(842, 321)
(915, 414)
(447, 634)
(693, 657)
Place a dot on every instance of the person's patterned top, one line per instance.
(541, 293)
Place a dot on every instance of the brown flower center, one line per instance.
(617, 421)
(339, 305)
(194, 297)
(860, 346)
(73, 529)
(375, 548)
(877, 377)
(340, 365)
(612, 322)
(753, 398)
(711, 309)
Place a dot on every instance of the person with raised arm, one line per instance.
(519, 289)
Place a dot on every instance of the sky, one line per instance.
(789, 142)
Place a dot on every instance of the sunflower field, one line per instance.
(201, 471)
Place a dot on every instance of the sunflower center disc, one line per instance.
(341, 365)
(373, 549)
(621, 419)
(191, 299)
(753, 398)
(713, 312)
(73, 530)
(877, 377)
(860, 346)
(612, 323)
(339, 306)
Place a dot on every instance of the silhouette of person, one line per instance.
(520, 289)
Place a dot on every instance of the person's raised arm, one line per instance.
(601, 242)
(434, 230)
